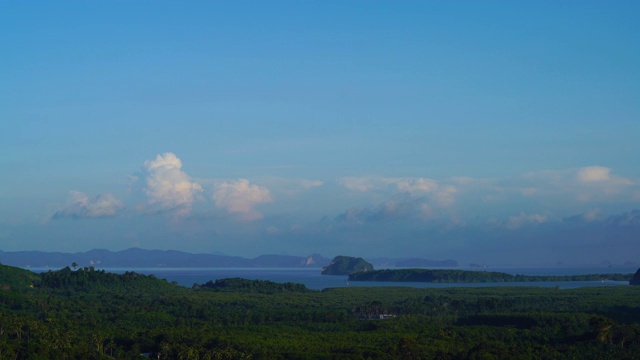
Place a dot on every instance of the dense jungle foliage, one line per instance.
(250, 286)
(89, 314)
(464, 276)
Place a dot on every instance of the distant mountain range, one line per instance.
(141, 258)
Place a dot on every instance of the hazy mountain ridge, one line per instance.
(140, 258)
(143, 258)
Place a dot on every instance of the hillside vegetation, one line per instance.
(89, 314)
(16, 278)
(251, 286)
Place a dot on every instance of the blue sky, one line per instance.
(496, 131)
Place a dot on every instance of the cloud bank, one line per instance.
(82, 206)
(240, 197)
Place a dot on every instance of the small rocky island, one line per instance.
(635, 280)
(345, 265)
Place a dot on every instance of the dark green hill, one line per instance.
(345, 265)
(16, 278)
(90, 279)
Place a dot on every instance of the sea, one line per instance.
(312, 278)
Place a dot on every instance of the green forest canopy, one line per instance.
(93, 314)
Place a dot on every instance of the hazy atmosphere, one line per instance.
(499, 132)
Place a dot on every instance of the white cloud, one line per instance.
(82, 206)
(168, 186)
(240, 197)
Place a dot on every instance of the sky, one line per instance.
(497, 132)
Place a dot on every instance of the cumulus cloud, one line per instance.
(240, 197)
(82, 206)
(167, 186)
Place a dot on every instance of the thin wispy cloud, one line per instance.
(522, 219)
(430, 192)
(290, 187)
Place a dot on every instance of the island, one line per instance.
(467, 276)
(345, 265)
(635, 279)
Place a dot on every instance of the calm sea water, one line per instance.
(314, 280)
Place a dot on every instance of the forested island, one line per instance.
(92, 314)
(345, 265)
(464, 276)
